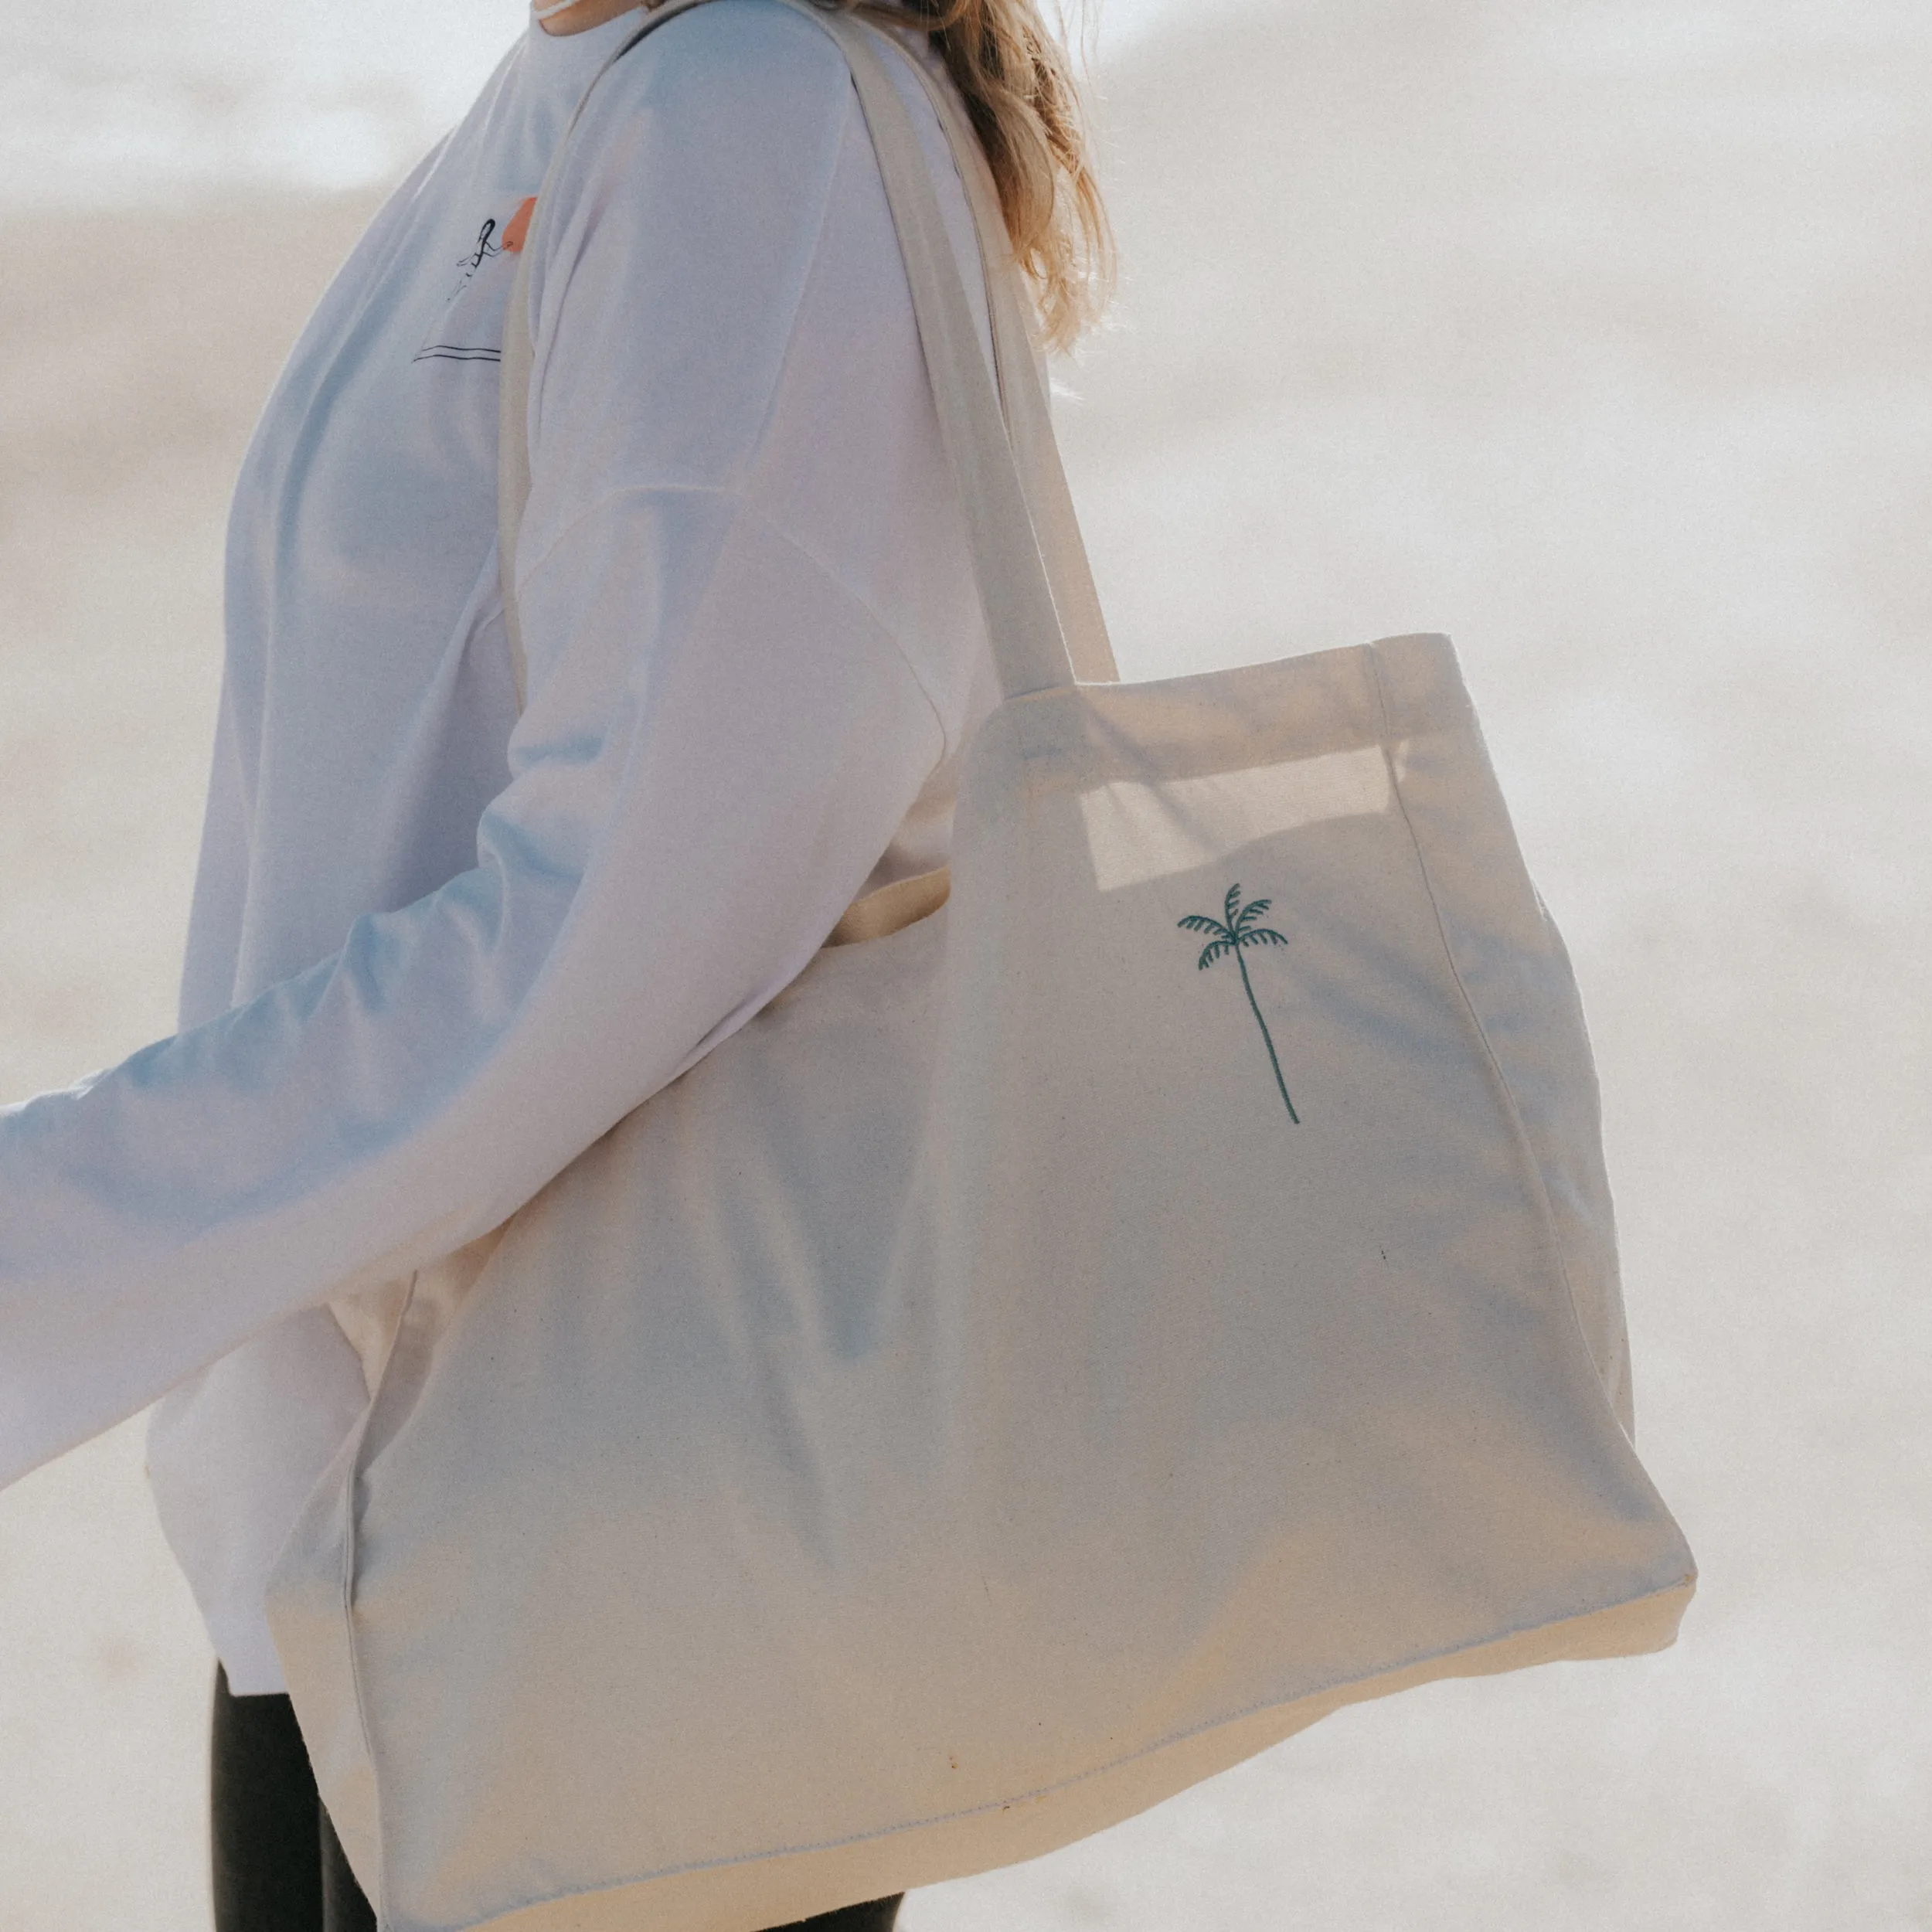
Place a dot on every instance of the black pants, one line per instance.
(278, 1866)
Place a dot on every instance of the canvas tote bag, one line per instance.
(1062, 1346)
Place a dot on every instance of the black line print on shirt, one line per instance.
(474, 260)
(486, 246)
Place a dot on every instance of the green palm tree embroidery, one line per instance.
(1234, 932)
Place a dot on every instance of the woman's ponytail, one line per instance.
(1017, 82)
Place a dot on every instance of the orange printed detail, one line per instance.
(519, 225)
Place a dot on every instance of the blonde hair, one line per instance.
(1016, 78)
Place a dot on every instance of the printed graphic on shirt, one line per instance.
(470, 327)
(519, 227)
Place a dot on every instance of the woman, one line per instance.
(437, 947)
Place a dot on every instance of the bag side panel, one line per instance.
(1512, 965)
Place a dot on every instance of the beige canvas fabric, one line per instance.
(1066, 1344)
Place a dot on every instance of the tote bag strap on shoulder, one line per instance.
(1042, 614)
(1029, 420)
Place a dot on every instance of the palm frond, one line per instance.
(1262, 935)
(1251, 911)
(1200, 922)
(1233, 905)
(1213, 951)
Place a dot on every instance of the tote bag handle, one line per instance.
(1014, 441)
(1042, 611)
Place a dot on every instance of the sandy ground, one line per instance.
(1591, 331)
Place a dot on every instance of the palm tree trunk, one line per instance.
(1247, 986)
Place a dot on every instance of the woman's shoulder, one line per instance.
(730, 69)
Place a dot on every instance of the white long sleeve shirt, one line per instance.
(437, 949)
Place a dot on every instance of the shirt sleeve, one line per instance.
(740, 584)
